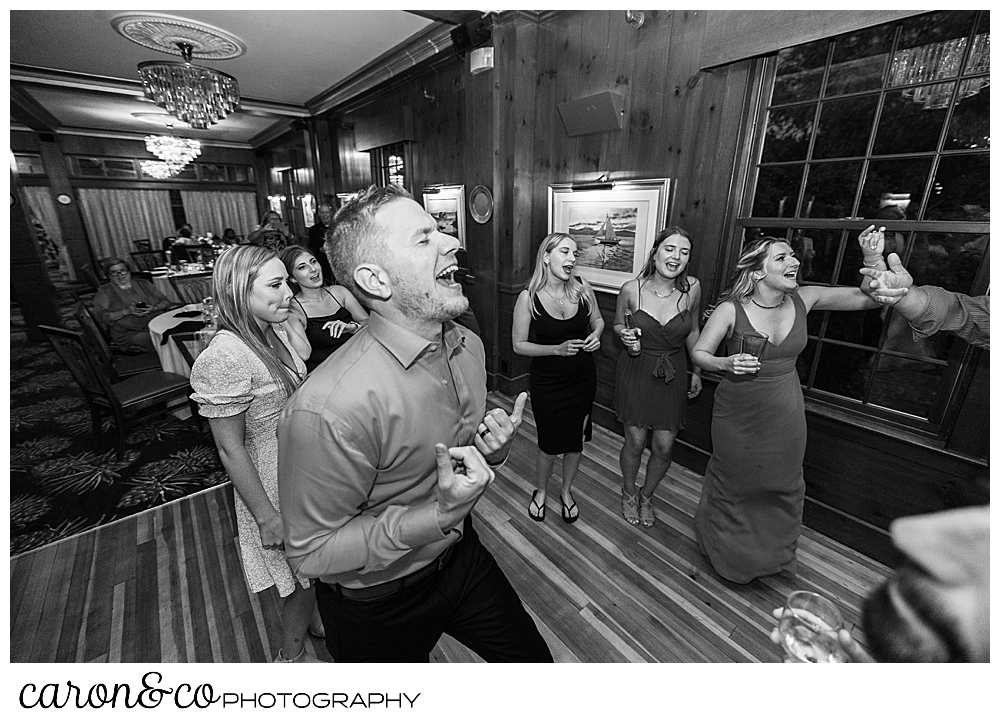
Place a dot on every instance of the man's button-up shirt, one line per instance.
(357, 472)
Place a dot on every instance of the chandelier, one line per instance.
(179, 151)
(194, 94)
(160, 169)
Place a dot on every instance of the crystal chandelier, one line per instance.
(194, 94)
(180, 151)
(160, 169)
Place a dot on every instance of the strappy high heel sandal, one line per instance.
(646, 516)
(630, 508)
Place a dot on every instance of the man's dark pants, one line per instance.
(469, 598)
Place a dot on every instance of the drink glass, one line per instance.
(808, 629)
(208, 311)
(753, 343)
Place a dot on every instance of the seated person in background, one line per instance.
(125, 305)
(272, 233)
(229, 237)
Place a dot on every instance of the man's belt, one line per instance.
(385, 589)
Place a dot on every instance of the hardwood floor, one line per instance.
(167, 586)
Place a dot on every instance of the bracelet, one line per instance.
(874, 265)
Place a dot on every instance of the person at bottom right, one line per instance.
(750, 513)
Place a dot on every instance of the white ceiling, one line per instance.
(292, 57)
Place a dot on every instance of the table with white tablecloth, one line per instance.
(161, 280)
(171, 358)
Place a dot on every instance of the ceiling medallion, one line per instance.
(163, 33)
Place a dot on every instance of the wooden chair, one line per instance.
(146, 260)
(122, 366)
(129, 400)
(192, 288)
(189, 344)
(143, 244)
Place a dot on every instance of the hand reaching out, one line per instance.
(888, 287)
(872, 241)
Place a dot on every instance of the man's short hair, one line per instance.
(354, 237)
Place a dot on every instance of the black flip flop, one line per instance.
(539, 514)
(567, 512)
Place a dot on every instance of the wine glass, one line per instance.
(808, 629)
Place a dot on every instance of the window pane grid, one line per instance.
(920, 100)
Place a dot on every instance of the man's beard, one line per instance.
(420, 305)
(894, 637)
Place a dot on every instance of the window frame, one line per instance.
(962, 358)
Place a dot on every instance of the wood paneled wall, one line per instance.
(501, 129)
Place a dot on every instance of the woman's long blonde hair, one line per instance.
(232, 283)
(573, 286)
(741, 283)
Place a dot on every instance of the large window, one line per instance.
(889, 125)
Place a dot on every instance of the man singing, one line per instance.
(385, 449)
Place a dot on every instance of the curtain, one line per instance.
(39, 200)
(114, 218)
(211, 212)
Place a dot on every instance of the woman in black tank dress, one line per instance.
(557, 322)
(328, 316)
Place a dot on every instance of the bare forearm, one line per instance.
(246, 482)
(706, 360)
(527, 348)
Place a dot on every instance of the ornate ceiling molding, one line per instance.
(162, 33)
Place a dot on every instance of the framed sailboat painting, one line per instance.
(613, 224)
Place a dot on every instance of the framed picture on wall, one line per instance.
(447, 205)
(613, 225)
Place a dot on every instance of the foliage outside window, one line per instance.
(891, 125)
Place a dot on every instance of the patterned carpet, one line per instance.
(61, 481)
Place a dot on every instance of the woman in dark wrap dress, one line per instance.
(557, 322)
(750, 513)
(651, 389)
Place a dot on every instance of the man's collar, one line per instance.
(406, 346)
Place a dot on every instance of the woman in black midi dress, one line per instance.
(557, 322)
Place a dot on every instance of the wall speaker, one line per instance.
(594, 114)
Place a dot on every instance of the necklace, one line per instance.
(769, 307)
(658, 294)
(557, 299)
